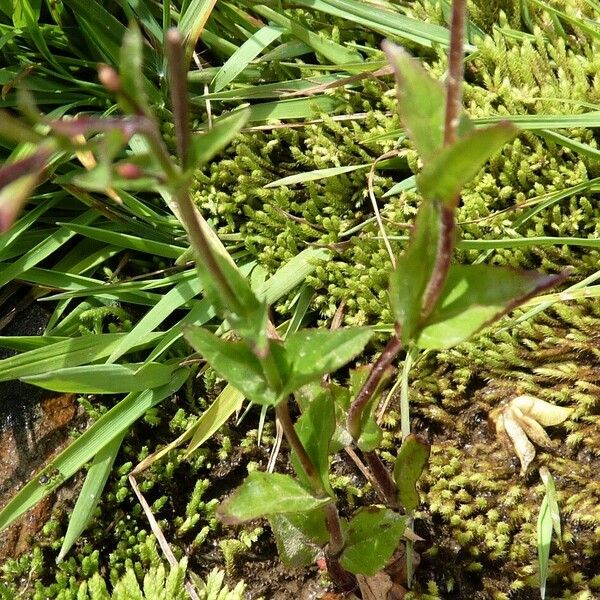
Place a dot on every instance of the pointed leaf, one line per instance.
(417, 279)
(372, 537)
(131, 73)
(453, 167)
(90, 493)
(544, 540)
(476, 295)
(245, 313)
(104, 379)
(265, 494)
(235, 362)
(314, 352)
(13, 198)
(552, 501)
(116, 421)
(421, 103)
(371, 433)
(299, 537)
(315, 429)
(204, 146)
(411, 461)
(247, 52)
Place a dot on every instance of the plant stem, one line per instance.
(368, 389)
(385, 483)
(179, 95)
(336, 537)
(455, 71)
(404, 399)
(200, 244)
(344, 580)
(283, 414)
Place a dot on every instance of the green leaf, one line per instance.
(244, 312)
(116, 421)
(90, 493)
(192, 22)
(25, 12)
(299, 537)
(411, 460)
(444, 176)
(68, 353)
(204, 146)
(315, 429)
(372, 537)
(314, 175)
(265, 494)
(130, 71)
(552, 501)
(215, 416)
(421, 103)
(475, 296)
(246, 53)
(334, 52)
(420, 271)
(371, 433)
(544, 540)
(314, 352)
(103, 379)
(235, 362)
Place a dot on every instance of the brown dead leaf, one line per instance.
(375, 587)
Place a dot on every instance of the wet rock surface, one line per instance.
(34, 427)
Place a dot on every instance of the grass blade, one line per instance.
(246, 53)
(90, 493)
(103, 379)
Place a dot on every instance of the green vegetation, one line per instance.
(102, 243)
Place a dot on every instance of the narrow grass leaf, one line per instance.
(171, 301)
(544, 540)
(68, 353)
(192, 22)
(103, 379)
(246, 53)
(215, 416)
(331, 50)
(124, 240)
(314, 175)
(90, 493)
(45, 248)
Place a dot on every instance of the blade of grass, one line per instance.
(314, 175)
(90, 493)
(245, 54)
(69, 353)
(103, 379)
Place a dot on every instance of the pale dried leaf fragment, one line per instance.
(523, 447)
(543, 412)
(534, 431)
